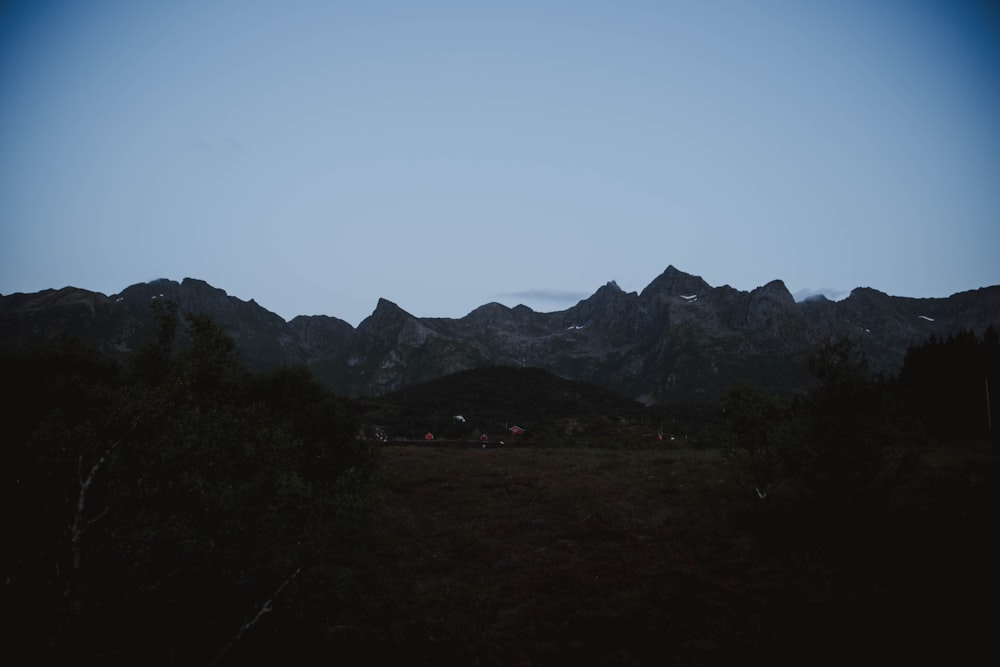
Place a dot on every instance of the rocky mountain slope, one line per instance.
(678, 341)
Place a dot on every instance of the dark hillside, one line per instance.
(532, 394)
(490, 400)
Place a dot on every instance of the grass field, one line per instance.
(531, 556)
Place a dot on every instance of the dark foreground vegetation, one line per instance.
(648, 557)
(165, 513)
(183, 510)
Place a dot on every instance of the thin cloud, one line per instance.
(829, 292)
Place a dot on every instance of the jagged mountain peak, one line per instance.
(386, 314)
(674, 282)
(490, 308)
(196, 292)
(385, 307)
(679, 340)
(146, 290)
(490, 314)
(609, 290)
(319, 320)
(385, 303)
(867, 293)
(775, 290)
(611, 285)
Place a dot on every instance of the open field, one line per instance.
(524, 556)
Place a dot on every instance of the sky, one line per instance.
(316, 156)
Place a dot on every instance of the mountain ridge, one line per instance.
(678, 340)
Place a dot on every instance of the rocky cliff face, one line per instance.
(679, 340)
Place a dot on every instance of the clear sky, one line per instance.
(315, 156)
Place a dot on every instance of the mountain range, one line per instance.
(679, 340)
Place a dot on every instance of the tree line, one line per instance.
(857, 432)
(161, 512)
(947, 384)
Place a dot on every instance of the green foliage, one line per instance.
(839, 447)
(154, 510)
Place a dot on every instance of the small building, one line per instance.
(516, 430)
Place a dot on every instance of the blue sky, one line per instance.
(315, 156)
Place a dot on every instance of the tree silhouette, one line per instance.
(168, 504)
(946, 382)
(837, 447)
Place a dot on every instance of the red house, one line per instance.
(516, 430)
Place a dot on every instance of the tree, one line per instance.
(70, 411)
(762, 432)
(169, 505)
(858, 444)
(946, 384)
(837, 448)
